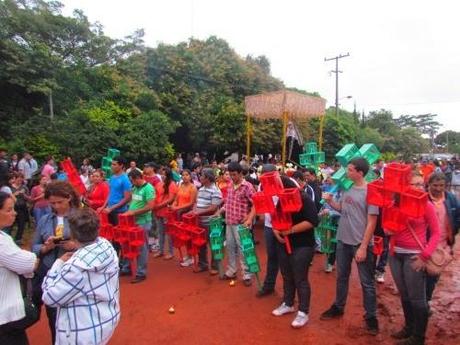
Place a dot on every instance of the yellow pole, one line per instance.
(248, 137)
(321, 127)
(283, 152)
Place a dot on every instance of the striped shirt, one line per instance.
(13, 261)
(85, 290)
(238, 203)
(206, 197)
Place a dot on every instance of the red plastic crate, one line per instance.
(263, 203)
(170, 215)
(67, 165)
(378, 245)
(103, 219)
(106, 231)
(190, 218)
(413, 202)
(378, 196)
(393, 220)
(271, 183)
(124, 220)
(198, 237)
(119, 235)
(290, 200)
(396, 177)
(136, 236)
(129, 251)
(281, 221)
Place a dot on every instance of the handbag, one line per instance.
(438, 260)
(30, 308)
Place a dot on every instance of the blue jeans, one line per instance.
(345, 255)
(412, 289)
(39, 212)
(272, 259)
(162, 234)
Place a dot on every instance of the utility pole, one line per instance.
(51, 105)
(336, 71)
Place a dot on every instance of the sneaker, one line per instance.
(283, 309)
(402, 334)
(213, 272)
(332, 313)
(328, 268)
(300, 320)
(187, 262)
(247, 282)
(380, 277)
(372, 326)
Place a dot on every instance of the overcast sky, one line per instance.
(404, 55)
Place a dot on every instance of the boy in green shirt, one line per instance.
(141, 205)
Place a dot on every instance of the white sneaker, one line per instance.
(187, 262)
(380, 277)
(328, 268)
(282, 309)
(300, 320)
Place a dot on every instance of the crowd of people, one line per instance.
(75, 273)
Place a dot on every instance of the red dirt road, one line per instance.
(209, 311)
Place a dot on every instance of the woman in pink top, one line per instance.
(48, 169)
(37, 196)
(408, 271)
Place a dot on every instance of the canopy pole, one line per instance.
(321, 127)
(283, 152)
(248, 136)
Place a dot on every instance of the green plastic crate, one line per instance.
(247, 243)
(216, 224)
(340, 179)
(112, 153)
(310, 147)
(306, 159)
(254, 268)
(319, 157)
(218, 255)
(106, 162)
(370, 152)
(347, 153)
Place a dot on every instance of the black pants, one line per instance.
(22, 216)
(12, 337)
(294, 269)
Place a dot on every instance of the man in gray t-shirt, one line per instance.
(354, 241)
(353, 220)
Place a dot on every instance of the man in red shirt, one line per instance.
(239, 210)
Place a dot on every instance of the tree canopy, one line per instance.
(151, 102)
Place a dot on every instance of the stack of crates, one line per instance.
(106, 164)
(216, 237)
(326, 232)
(350, 151)
(248, 249)
(73, 177)
(311, 157)
(397, 197)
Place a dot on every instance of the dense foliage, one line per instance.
(67, 89)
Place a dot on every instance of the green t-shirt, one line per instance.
(141, 197)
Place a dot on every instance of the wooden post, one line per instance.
(248, 137)
(283, 152)
(321, 127)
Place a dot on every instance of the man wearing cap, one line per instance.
(207, 203)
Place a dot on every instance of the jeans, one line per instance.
(382, 260)
(39, 212)
(143, 255)
(232, 239)
(412, 289)
(272, 259)
(162, 234)
(294, 269)
(345, 254)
